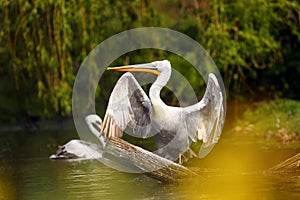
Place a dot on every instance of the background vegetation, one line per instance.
(254, 43)
(281, 125)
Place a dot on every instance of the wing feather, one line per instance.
(128, 106)
(205, 119)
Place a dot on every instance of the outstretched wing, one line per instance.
(205, 120)
(128, 105)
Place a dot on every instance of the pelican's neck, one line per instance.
(157, 86)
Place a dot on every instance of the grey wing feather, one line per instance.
(205, 119)
(128, 105)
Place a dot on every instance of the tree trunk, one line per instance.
(290, 165)
(143, 161)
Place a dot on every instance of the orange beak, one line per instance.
(149, 67)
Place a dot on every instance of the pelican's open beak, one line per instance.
(148, 67)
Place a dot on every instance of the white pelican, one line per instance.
(77, 150)
(174, 128)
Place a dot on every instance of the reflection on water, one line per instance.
(234, 170)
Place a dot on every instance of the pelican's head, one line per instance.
(162, 66)
(155, 67)
(94, 123)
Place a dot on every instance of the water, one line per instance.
(233, 170)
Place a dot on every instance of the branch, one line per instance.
(145, 161)
(290, 165)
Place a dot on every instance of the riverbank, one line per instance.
(274, 121)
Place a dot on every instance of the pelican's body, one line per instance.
(77, 150)
(174, 128)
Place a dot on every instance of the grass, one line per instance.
(277, 120)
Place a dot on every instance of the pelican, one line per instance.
(77, 150)
(174, 128)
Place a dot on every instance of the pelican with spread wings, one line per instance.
(173, 128)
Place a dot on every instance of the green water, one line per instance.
(234, 170)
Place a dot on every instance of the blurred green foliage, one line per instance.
(254, 43)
